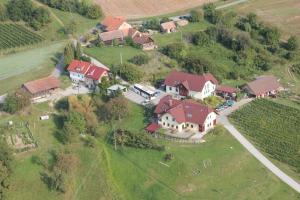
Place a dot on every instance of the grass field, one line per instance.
(102, 173)
(18, 68)
(15, 35)
(283, 13)
(274, 128)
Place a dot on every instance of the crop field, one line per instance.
(15, 35)
(274, 128)
(132, 9)
(283, 13)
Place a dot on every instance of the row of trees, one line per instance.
(91, 11)
(16, 10)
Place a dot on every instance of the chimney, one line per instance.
(170, 102)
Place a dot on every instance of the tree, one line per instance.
(201, 39)
(94, 12)
(196, 16)
(211, 14)
(16, 101)
(77, 52)
(116, 109)
(176, 51)
(74, 125)
(3, 12)
(292, 43)
(68, 54)
(140, 59)
(153, 24)
(128, 72)
(71, 27)
(242, 42)
(271, 35)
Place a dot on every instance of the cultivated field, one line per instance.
(131, 9)
(283, 13)
(274, 128)
(15, 35)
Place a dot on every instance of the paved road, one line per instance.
(222, 118)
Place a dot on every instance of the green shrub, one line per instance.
(140, 59)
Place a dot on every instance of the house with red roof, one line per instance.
(111, 23)
(196, 86)
(86, 72)
(184, 115)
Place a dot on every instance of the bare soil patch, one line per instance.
(133, 9)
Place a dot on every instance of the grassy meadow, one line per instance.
(218, 168)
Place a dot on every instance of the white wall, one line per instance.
(77, 76)
(172, 90)
(168, 122)
(209, 121)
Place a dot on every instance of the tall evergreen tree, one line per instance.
(68, 54)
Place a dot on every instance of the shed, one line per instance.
(115, 88)
(152, 128)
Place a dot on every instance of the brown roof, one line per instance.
(263, 84)
(183, 111)
(111, 35)
(189, 81)
(168, 25)
(41, 85)
(227, 89)
(112, 23)
(142, 39)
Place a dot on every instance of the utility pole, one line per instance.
(121, 58)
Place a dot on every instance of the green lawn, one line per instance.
(274, 128)
(230, 171)
(20, 67)
(112, 55)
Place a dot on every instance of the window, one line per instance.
(176, 89)
(168, 125)
(172, 126)
(170, 88)
(173, 119)
(176, 127)
(164, 123)
(192, 126)
(182, 126)
(167, 118)
(187, 125)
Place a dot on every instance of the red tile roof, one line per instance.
(263, 85)
(190, 81)
(112, 23)
(79, 66)
(41, 85)
(227, 89)
(183, 111)
(153, 127)
(142, 39)
(112, 35)
(95, 72)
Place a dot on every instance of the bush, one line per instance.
(211, 14)
(296, 68)
(201, 39)
(128, 72)
(176, 51)
(16, 102)
(136, 140)
(153, 24)
(140, 59)
(292, 43)
(196, 16)
(94, 12)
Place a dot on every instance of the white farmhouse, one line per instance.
(185, 84)
(182, 115)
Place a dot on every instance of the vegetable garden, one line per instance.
(274, 128)
(15, 35)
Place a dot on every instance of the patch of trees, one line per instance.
(6, 158)
(128, 72)
(140, 59)
(196, 15)
(91, 11)
(137, 140)
(17, 10)
(211, 14)
(74, 52)
(58, 170)
(176, 51)
(153, 24)
(16, 101)
(115, 109)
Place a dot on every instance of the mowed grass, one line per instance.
(112, 55)
(283, 13)
(20, 67)
(274, 128)
(218, 169)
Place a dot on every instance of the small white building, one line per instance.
(116, 88)
(185, 84)
(184, 115)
